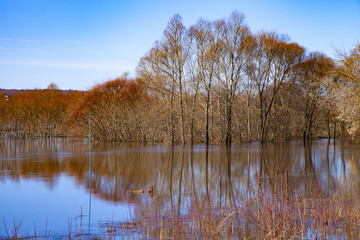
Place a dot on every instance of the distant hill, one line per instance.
(10, 92)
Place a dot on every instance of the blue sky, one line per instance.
(77, 44)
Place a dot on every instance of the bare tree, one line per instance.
(234, 34)
(272, 60)
(348, 84)
(166, 62)
(206, 46)
(313, 77)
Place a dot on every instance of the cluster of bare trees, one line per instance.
(348, 88)
(217, 81)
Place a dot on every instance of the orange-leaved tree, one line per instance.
(37, 112)
(118, 109)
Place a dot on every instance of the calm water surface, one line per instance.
(45, 183)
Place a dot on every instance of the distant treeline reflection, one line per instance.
(181, 172)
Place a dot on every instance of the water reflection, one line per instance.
(178, 173)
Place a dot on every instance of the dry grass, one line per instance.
(273, 214)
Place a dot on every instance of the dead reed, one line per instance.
(277, 211)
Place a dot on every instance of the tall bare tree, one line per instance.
(166, 61)
(206, 46)
(234, 34)
(314, 75)
(348, 83)
(272, 60)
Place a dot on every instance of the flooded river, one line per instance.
(45, 183)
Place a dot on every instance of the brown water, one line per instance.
(45, 183)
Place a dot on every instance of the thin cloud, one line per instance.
(61, 65)
(40, 41)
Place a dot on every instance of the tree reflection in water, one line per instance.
(181, 174)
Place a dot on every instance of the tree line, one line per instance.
(214, 82)
(36, 112)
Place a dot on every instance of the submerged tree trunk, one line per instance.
(172, 120)
(328, 126)
(192, 123)
(207, 137)
(248, 120)
(228, 126)
(182, 115)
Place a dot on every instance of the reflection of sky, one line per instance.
(336, 160)
(51, 195)
(31, 201)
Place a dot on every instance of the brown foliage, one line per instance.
(349, 68)
(348, 85)
(117, 111)
(36, 112)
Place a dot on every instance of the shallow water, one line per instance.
(44, 183)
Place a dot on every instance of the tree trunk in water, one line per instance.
(193, 119)
(334, 129)
(207, 138)
(328, 126)
(228, 127)
(172, 127)
(182, 115)
(248, 120)
(262, 120)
